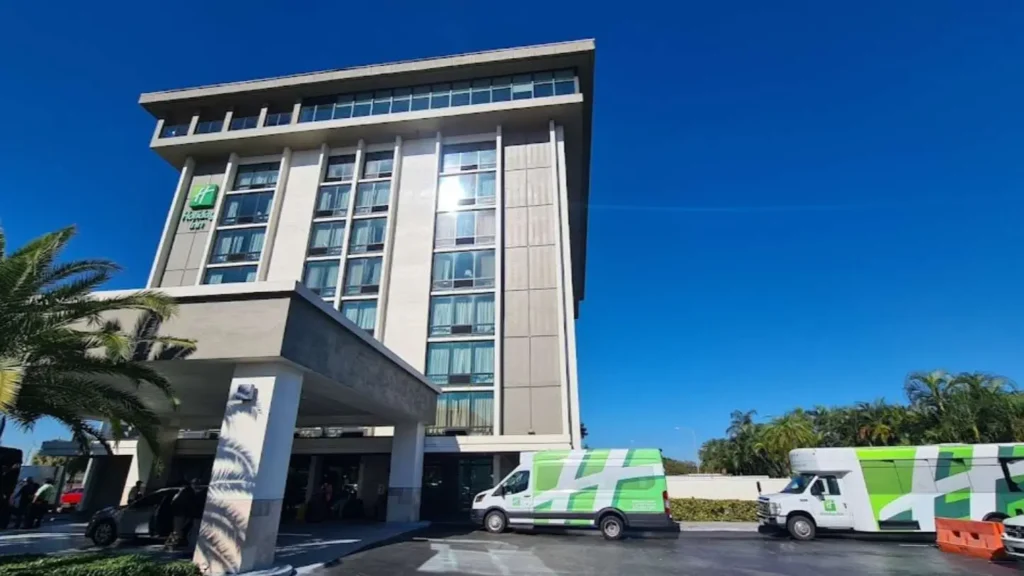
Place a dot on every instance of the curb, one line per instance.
(377, 544)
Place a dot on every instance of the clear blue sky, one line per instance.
(790, 206)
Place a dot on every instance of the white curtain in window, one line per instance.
(354, 277)
(485, 185)
(362, 314)
(381, 192)
(485, 225)
(437, 359)
(374, 271)
(232, 209)
(463, 265)
(485, 265)
(444, 267)
(444, 233)
(463, 310)
(361, 233)
(440, 314)
(482, 410)
(326, 235)
(484, 313)
(331, 276)
(466, 225)
(462, 358)
(215, 278)
(314, 276)
(483, 358)
(255, 242)
(224, 242)
(460, 410)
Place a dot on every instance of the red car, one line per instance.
(70, 500)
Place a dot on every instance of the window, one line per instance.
(543, 85)
(246, 208)
(565, 82)
(471, 412)
(381, 102)
(400, 100)
(340, 168)
(256, 176)
(362, 313)
(278, 119)
(516, 483)
(327, 239)
(368, 236)
(173, 130)
(362, 276)
(522, 87)
(372, 197)
(460, 363)
(230, 275)
(379, 164)
(467, 228)
(244, 122)
(472, 156)
(464, 270)
(460, 94)
(469, 314)
(465, 190)
(363, 105)
(332, 201)
(243, 245)
(209, 126)
(322, 277)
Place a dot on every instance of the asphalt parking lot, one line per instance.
(469, 553)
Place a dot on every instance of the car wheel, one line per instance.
(612, 527)
(801, 528)
(495, 522)
(105, 533)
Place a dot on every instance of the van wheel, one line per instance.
(995, 517)
(612, 527)
(495, 522)
(801, 528)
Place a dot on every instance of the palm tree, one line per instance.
(51, 353)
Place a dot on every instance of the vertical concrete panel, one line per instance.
(517, 269)
(543, 312)
(188, 277)
(292, 234)
(538, 152)
(539, 187)
(544, 361)
(516, 411)
(516, 227)
(517, 313)
(546, 409)
(541, 225)
(515, 188)
(188, 236)
(405, 327)
(542, 267)
(517, 362)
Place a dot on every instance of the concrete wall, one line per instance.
(408, 298)
(187, 245)
(532, 378)
(299, 199)
(714, 487)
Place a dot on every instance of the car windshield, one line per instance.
(798, 484)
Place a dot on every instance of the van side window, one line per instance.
(517, 482)
(826, 486)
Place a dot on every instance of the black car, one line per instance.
(148, 517)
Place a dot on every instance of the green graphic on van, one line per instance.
(203, 196)
(830, 505)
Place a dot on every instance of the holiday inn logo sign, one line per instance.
(204, 196)
(201, 200)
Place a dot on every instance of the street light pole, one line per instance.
(696, 449)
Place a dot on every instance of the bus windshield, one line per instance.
(798, 484)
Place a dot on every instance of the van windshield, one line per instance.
(798, 484)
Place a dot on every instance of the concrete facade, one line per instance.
(433, 222)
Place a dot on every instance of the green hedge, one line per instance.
(700, 510)
(93, 565)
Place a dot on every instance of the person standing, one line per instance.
(23, 503)
(43, 502)
(183, 506)
(135, 493)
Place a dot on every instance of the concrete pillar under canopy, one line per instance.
(406, 481)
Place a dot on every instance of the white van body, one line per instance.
(896, 489)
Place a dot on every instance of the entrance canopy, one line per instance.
(348, 377)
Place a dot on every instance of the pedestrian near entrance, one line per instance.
(135, 493)
(183, 506)
(22, 502)
(44, 501)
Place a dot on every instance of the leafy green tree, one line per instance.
(677, 467)
(59, 359)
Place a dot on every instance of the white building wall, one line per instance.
(296, 216)
(408, 297)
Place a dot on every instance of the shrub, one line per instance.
(701, 510)
(93, 565)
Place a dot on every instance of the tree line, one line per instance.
(968, 407)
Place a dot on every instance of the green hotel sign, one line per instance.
(201, 200)
(203, 196)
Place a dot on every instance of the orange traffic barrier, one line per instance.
(978, 539)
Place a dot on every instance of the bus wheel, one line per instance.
(801, 527)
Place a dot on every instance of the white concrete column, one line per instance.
(90, 483)
(406, 481)
(243, 506)
(144, 461)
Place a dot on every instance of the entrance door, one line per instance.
(827, 497)
(518, 498)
